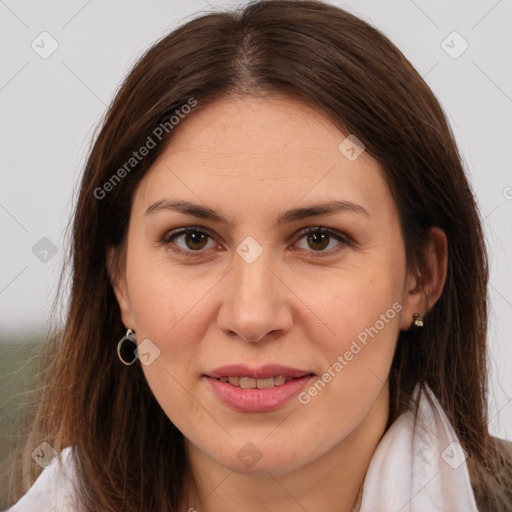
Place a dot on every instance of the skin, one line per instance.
(250, 160)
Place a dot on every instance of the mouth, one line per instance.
(257, 389)
(251, 383)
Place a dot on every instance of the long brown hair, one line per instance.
(128, 454)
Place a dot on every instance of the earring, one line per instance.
(126, 348)
(418, 321)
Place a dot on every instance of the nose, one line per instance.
(255, 303)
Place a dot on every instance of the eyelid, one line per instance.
(166, 239)
(343, 238)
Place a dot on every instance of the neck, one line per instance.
(330, 482)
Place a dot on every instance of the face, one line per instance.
(271, 327)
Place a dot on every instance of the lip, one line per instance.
(257, 400)
(263, 372)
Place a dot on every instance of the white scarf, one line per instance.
(420, 470)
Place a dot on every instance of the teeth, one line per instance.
(247, 383)
(265, 383)
(250, 383)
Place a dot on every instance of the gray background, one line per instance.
(50, 107)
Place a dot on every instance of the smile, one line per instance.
(250, 383)
(257, 389)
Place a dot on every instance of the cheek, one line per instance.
(362, 312)
(168, 309)
(356, 300)
(165, 300)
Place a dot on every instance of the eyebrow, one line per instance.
(203, 212)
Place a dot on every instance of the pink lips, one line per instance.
(257, 400)
(269, 370)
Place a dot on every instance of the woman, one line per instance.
(275, 235)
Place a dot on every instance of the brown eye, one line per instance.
(195, 240)
(323, 240)
(318, 241)
(188, 242)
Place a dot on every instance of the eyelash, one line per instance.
(167, 240)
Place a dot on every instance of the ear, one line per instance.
(116, 271)
(425, 285)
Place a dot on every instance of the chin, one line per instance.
(275, 465)
(261, 457)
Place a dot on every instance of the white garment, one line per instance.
(419, 470)
(54, 490)
(412, 470)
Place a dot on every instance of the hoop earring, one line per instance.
(126, 348)
(418, 320)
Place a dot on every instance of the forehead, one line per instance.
(261, 151)
(277, 127)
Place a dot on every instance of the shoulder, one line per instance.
(54, 490)
(505, 445)
(493, 488)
